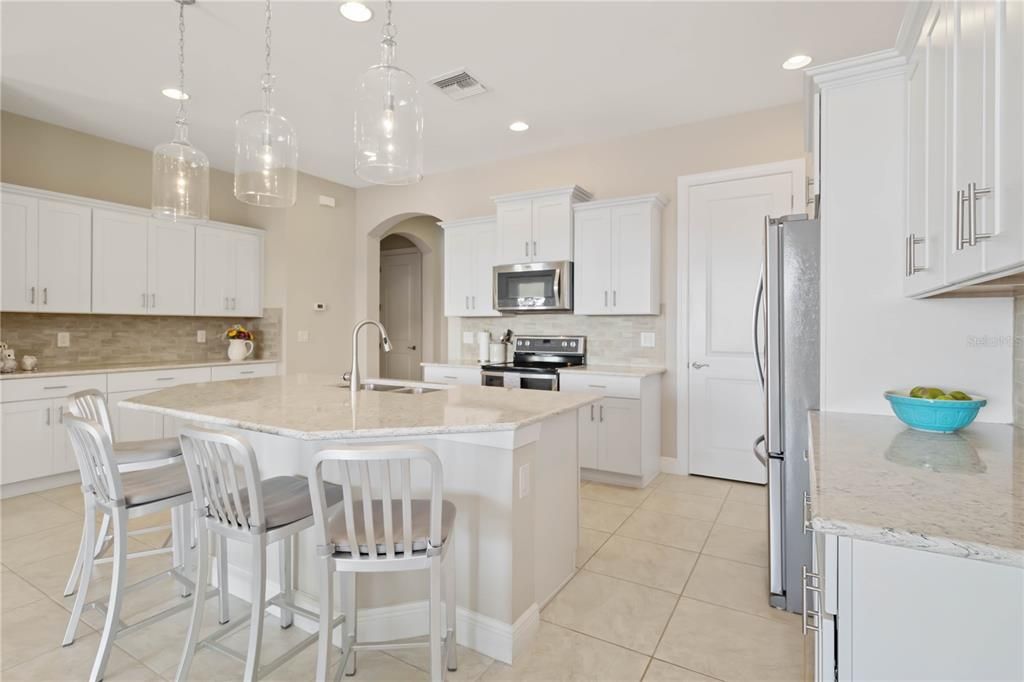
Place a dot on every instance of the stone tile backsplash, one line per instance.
(1018, 360)
(132, 339)
(611, 340)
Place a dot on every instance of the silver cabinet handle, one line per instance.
(615, 298)
(807, 512)
(54, 388)
(973, 192)
(526, 249)
(535, 248)
(605, 299)
(48, 416)
(60, 414)
(448, 377)
(32, 295)
(912, 267)
(46, 296)
(248, 371)
(596, 386)
(467, 303)
(165, 379)
(601, 412)
(959, 241)
(226, 304)
(472, 300)
(591, 411)
(699, 365)
(143, 299)
(152, 300)
(805, 613)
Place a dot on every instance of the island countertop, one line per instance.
(316, 407)
(962, 494)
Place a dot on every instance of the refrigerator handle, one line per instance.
(758, 298)
(761, 457)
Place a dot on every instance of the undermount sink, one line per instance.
(399, 388)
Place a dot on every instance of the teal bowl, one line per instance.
(936, 416)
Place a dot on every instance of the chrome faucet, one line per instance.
(353, 375)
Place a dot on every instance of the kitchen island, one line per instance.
(511, 467)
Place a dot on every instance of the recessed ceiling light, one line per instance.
(174, 93)
(356, 11)
(796, 62)
(519, 126)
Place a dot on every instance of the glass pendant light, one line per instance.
(181, 173)
(388, 120)
(266, 150)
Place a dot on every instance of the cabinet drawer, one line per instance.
(452, 375)
(246, 371)
(156, 379)
(50, 387)
(610, 386)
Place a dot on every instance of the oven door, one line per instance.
(492, 379)
(526, 287)
(528, 380)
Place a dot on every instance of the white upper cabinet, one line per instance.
(470, 254)
(229, 271)
(617, 270)
(537, 226)
(46, 255)
(171, 270)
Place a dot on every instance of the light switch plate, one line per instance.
(647, 339)
(303, 336)
(467, 337)
(63, 339)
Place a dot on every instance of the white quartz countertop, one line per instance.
(128, 367)
(315, 407)
(615, 370)
(962, 494)
(456, 365)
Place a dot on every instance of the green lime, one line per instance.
(960, 395)
(917, 392)
(944, 397)
(933, 393)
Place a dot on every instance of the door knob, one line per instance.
(699, 365)
(412, 347)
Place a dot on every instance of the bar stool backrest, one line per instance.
(356, 467)
(213, 460)
(91, 405)
(95, 455)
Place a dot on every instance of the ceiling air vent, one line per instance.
(459, 85)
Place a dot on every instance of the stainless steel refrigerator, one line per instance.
(787, 354)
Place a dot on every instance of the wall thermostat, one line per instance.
(320, 307)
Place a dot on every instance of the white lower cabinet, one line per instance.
(908, 614)
(610, 430)
(451, 374)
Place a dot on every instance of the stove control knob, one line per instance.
(565, 344)
(526, 343)
(572, 344)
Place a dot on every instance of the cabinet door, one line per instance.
(552, 230)
(247, 298)
(1006, 248)
(133, 424)
(634, 267)
(592, 267)
(485, 253)
(587, 435)
(515, 231)
(63, 453)
(619, 452)
(27, 440)
(120, 261)
(19, 242)
(172, 260)
(973, 36)
(214, 271)
(458, 257)
(65, 258)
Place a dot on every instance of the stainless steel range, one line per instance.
(536, 361)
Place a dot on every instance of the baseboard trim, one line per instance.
(673, 465)
(491, 637)
(35, 485)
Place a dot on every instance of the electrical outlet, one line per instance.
(303, 336)
(467, 337)
(524, 481)
(201, 336)
(63, 339)
(647, 339)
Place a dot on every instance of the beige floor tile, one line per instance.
(665, 568)
(75, 662)
(688, 505)
(30, 514)
(32, 630)
(590, 542)
(377, 665)
(32, 548)
(660, 671)
(739, 544)
(471, 663)
(735, 585)
(743, 515)
(616, 494)
(614, 610)
(602, 516)
(666, 529)
(749, 493)
(731, 645)
(16, 592)
(560, 654)
(69, 496)
(695, 485)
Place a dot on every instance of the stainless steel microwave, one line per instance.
(533, 287)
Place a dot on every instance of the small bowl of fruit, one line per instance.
(927, 408)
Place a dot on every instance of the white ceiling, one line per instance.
(576, 71)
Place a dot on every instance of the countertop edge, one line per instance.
(120, 369)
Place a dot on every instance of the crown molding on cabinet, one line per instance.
(463, 222)
(660, 199)
(577, 193)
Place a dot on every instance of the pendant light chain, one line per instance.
(268, 36)
(181, 62)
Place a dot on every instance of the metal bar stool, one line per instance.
(121, 496)
(363, 538)
(129, 456)
(233, 502)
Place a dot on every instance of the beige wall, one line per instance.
(638, 164)
(309, 248)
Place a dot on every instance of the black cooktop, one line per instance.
(530, 367)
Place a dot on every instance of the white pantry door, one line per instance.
(725, 215)
(401, 302)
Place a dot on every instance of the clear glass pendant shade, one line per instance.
(266, 156)
(181, 179)
(388, 123)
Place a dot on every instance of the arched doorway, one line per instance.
(411, 299)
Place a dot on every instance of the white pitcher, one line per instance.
(240, 349)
